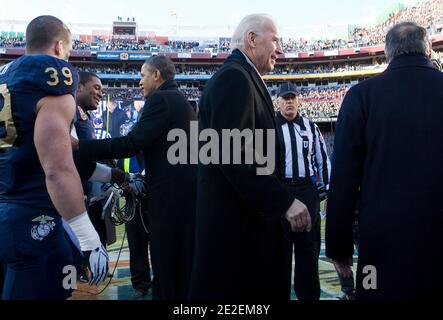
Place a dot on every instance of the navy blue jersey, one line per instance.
(23, 83)
(83, 125)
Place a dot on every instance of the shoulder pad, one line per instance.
(47, 74)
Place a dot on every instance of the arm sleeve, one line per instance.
(232, 107)
(85, 168)
(321, 156)
(152, 125)
(347, 170)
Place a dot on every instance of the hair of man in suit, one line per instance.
(164, 65)
(407, 38)
(257, 37)
(48, 34)
(250, 23)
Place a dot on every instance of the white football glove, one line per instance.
(91, 247)
(98, 265)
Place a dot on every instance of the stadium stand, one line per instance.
(428, 14)
(323, 69)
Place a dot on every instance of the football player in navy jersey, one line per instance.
(39, 184)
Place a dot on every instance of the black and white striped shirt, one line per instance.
(303, 149)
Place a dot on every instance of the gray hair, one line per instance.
(407, 38)
(164, 65)
(251, 23)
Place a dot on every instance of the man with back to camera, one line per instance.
(171, 188)
(39, 182)
(239, 251)
(388, 144)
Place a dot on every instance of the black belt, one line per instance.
(297, 181)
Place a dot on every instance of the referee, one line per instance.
(305, 164)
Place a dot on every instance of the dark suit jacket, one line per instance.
(238, 251)
(117, 119)
(389, 142)
(171, 188)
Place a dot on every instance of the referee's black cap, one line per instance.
(287, 88)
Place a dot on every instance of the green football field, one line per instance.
(120, 287)
(120, 230)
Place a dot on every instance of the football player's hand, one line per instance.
(98, 261)
(93, 251)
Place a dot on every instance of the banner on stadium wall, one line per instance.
(331, 53)
(184, 55)
(124, 56)
(2, 51)
(108, 56)
(195, 77)
(325, 119)
(139, 56)
(291, 55)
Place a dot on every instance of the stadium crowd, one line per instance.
(125, 45)
(316, 102)
(6, 42)
(329, 135)
(123, 94)
(429, 14)
(287, 69)
(192, 94)
(182, 45)
(328, 68)
(322, 103)
(110, 69)
(297, 45)
(135, 69)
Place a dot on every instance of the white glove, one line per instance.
(98, 265)
(91, 247)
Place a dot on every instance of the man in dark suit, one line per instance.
(388, 143)
(171, 188)
(239, 246)
(117, 118)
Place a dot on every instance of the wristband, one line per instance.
(85, 232)
(102, 173)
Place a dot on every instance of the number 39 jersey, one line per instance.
(23, 83)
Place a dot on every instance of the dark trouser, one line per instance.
(35, 252)
(172, 252)
(305, 246)
(138, 241)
